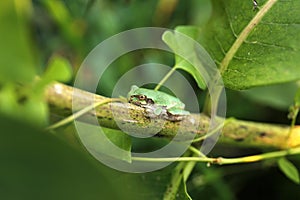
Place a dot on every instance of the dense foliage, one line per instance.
(47, 40)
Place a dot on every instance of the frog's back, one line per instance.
(161, 98)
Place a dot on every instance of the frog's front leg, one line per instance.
(155, 111)
(133, 101)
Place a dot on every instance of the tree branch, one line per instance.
(132, 118)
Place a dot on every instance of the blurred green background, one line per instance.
(38, 34)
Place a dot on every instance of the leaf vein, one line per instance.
(220, 46)
(281, 24)
(270, 45)
(244, 34)
(244, 58)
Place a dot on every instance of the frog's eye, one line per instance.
(142, 97)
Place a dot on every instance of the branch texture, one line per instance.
(132, 118)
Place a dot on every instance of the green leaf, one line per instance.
(36, 112)
(58, 69)
(32, 160)
(61, 15)
(183, 46)
(35, 108)
(16, 63)
(120, 139)
(289, 169)
(279, 96)
(110, 142)
(191, 31)
(8, 100)
(269, 54)
(177, 188)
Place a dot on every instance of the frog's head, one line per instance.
(136, 97)
(132, 91)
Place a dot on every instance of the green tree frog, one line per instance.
(157, 103)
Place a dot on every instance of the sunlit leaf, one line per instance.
(289, 169)
(8, 100)
(58, 69)
(183, 46)
(16, 63)
(36, 112)
(71, 29)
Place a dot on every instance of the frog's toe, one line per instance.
(158, 110)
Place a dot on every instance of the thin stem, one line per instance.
(196, 152)
(165, 78)
(244, 34)
(180, 159)
(221, 161)
(180, 176)
(175, 181)
(186, 174)
(293, 121)
(207, 104)
(80, 113)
